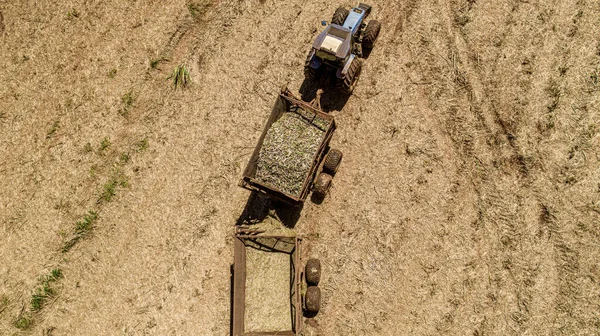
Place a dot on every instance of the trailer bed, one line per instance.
(287, 103)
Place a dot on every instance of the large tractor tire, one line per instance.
(310, 73)
(370, 34)
(312, 300)
(332, 161)
(340, 16)
(347, 83)
(312, 272)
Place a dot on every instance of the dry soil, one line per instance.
(467, 202)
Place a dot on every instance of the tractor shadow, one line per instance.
(259, 206)
(332, 98)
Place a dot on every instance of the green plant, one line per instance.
(155, 61)
(127, 101)
(109, 189)
(124, 158)
(112, 73)
(82, 228)
(87, 148)
(93, 169)
(180, 76)
(53, 129)
(45, 291)
(23, 323)
(142, 145)
(104, 144)
(72, 14)
(87, 223)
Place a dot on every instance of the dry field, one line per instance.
(468, 201)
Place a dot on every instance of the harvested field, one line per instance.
(468, 202)
(289, 149)
(268, 280)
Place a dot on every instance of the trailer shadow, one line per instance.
(332, 98)
(259, 206)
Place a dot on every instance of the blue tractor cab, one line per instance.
(340, 46)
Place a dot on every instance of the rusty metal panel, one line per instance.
(272, 333)
(239, 286)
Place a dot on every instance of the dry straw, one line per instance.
(288, 150)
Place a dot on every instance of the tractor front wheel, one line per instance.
(339, 16)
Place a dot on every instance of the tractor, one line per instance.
(340, 47)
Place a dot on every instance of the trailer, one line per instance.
(316, 176)
(271, 291)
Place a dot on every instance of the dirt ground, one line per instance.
(467, 203)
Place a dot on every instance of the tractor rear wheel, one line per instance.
(339, 16)
(332, 161)
(310, 73)
(348, 81)
(370, 34)
(312, 300)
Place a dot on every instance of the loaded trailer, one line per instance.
(293, 157)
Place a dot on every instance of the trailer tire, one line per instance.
(347, 82)
(312, 272)
(312, 300)
(332, 161)
(322, 184)
(340, 16)
(370, 34)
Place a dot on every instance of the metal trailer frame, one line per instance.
(284, 102)
(247, 237)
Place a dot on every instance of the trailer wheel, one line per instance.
(322, 184)
(312, 300)
(312, 272)
(347, 82)
(332, 161)
(340, 16)
(370, 34)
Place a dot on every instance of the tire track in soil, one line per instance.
(497, 204)
(566, 259)
(523, 277)
(565, 253)
(457, 127)
(480, 96)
